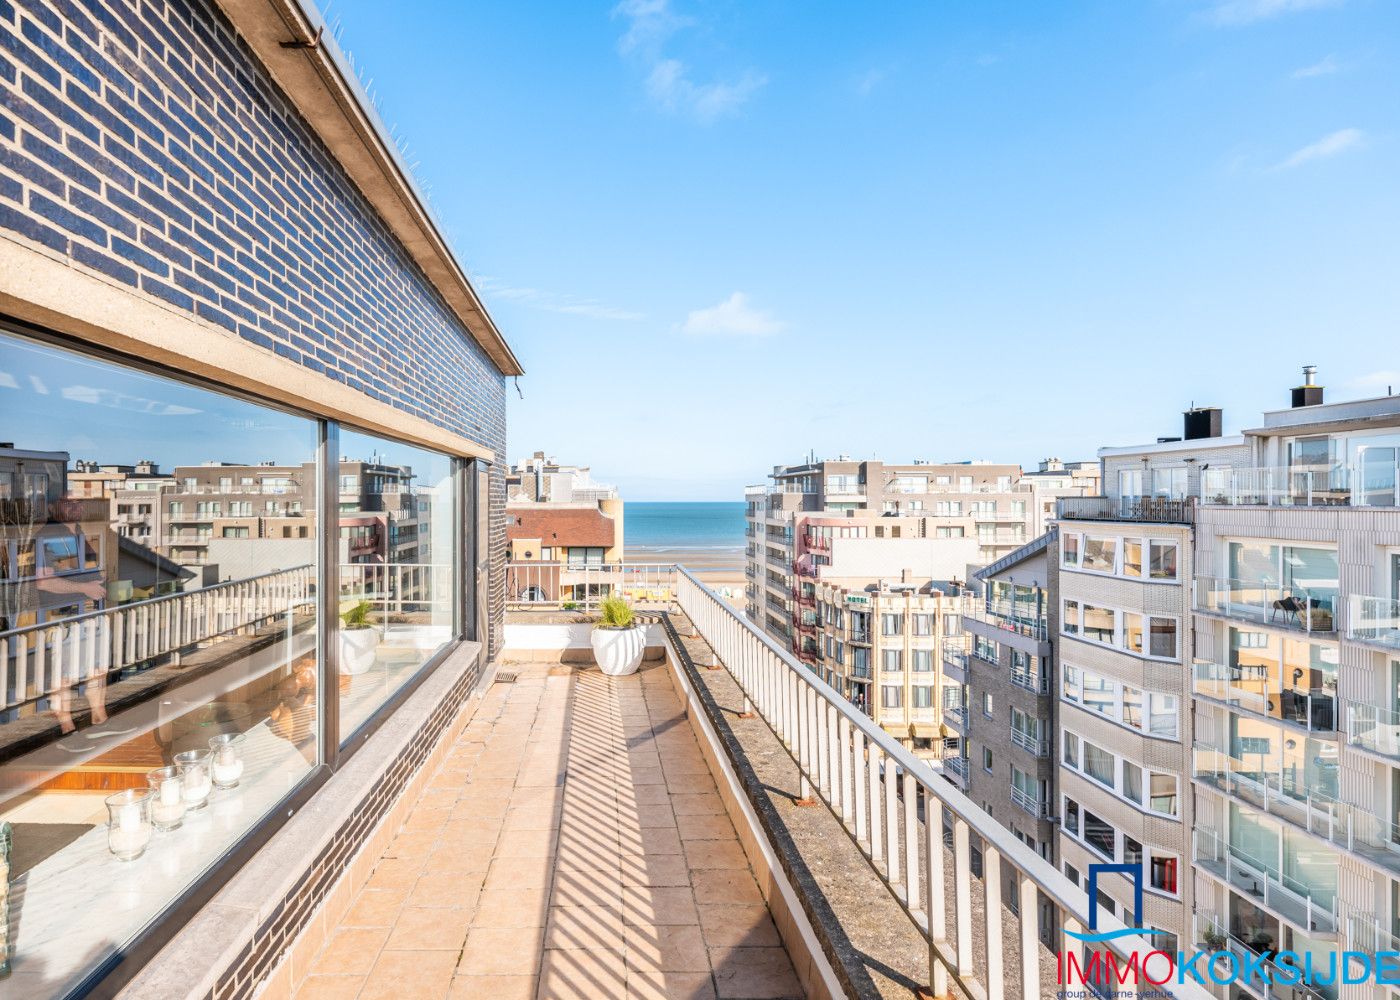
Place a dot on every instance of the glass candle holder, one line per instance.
(129, 827)
(226, 753)
(167, 798)
(195, 780)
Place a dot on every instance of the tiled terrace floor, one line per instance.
(573, 845)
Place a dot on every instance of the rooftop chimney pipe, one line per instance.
(1309, 393)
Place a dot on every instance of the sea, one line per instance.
(716, 527)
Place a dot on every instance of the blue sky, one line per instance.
(720, 234)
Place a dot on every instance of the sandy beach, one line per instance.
(721, 569)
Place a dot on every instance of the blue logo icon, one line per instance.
(1134, 874)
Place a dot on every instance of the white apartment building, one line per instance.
(1285, 771)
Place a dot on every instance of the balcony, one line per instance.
(1032, 804)
(1300, 486)
(1250, 691)
(859, 636)
(1231, 952)
(1287, 796)
(780, 562)
(1157, 510)
(1373, 620)
(957, 767)
(1032, 744)
(1374, 729)
(1263, 883)
(956, 717)
(818, 543)
(1293, 608)
(955, 652)
(1030, 679)
(1009, 617)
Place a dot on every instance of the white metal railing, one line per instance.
(1008, 617)
(42, 659)
(1027, 802)
(1373, 619)
(541, 585)
(1266, 883)
(1033, 745)
(398, 588)
(1277, 981)
(1286, 486)
(955, 649)
(1030, 679)
(1374, 728)
(1268, 603)
(896, 810)
(957, 766)
(1314, 709)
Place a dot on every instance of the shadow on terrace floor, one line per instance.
(573, 845)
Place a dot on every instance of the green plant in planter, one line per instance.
(356, 616)
(1215, 941)
(614, 612)
(569, 606)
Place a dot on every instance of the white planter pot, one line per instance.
(357, 646)
(619, 650)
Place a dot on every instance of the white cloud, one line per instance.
(1323, 67)
(1234, 13)
(1328, 146)
(567, 304)
(669, 82)
(733, 316)
(869, 80)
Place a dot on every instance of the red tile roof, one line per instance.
(560, 526)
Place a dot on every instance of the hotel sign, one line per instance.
(858, 599)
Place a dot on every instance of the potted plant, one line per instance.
(1215, 941)
(358, 639)
(618, 639)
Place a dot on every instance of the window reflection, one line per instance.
(159, 632)
(396, 554)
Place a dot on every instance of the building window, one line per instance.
(987, 759)
(891, 696)
(1072, 816)
(892, 660)
(923, 695)
(987, 704)
(891, 624)
(1071, 751)
(923, 624)
(1170, 483)
(1100, 554)
(923, 661)
(1163, 873)
(1163, 793)
(1099, 764)
(1099, 835)
(1162, 560)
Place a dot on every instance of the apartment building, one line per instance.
(873, 519)
(1280, 546)
(878, 644)
(565, 533)
(213, 256)
(997, 705)
(1121, 629)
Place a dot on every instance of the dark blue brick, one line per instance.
(216, 315)
(76, 19)
(212, 276)
(24, 224)
(140, 257)
(7, 11)
(194, 286)
(105, 263)
(99, 10)
(160, 245)
(101, 211)
(172, 170)
(131, 160)
(164, 205)
(170, 294)
(235, 308)
(134, 208)
(57, 53)
(41, 13)
(30, 113)
(59, 108)
(89, 105)
(32, 171)
(253, 335)
(101, 65)
(129, 113)
(193, 244)
(11, 190)
(100, 161)
(60, 161)
(71, 221)
(183, 155)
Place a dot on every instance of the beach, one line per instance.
(720, 569)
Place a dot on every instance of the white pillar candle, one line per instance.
(129, 820)
(170, 792)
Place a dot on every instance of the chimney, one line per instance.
(1309, 393)
(1202, 422)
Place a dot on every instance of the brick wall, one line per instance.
(142, 141)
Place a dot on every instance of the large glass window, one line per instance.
(161, 663)
(396, 608)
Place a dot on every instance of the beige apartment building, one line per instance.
(878, 644)
(859, 521)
